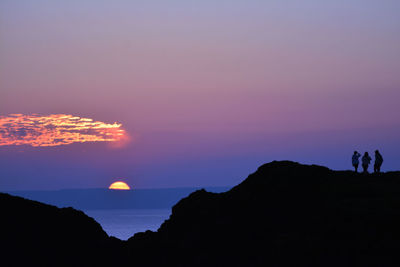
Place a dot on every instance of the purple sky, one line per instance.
(206, 90)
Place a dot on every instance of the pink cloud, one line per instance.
(55, 130)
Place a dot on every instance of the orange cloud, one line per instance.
(55, 130)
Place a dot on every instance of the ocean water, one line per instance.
(125, 223)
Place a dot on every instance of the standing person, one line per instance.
(355, 161)
(366, 160)
(378, 162)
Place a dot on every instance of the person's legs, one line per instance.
(375, 168)
(365, 167)
(355, 167)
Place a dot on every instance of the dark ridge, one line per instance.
(284, 214)
(36, 234)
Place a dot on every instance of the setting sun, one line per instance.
(119, 186)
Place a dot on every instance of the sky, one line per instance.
(192, 93)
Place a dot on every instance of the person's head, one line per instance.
(377, 151)
(366, 154)
(355, 152)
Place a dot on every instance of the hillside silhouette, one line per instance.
(36, 234)
(284, 214)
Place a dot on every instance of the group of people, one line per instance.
(366, 160)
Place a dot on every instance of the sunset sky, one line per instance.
(192, 93)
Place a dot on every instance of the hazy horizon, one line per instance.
(107, 189)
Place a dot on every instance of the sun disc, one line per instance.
(119, 185)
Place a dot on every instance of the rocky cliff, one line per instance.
(284, 214)
(36, 234)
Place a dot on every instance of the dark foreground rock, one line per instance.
(284, 214)
(36, 234)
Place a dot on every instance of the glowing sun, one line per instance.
(119, 186)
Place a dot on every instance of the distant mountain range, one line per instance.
(84, 199)
(284, 214)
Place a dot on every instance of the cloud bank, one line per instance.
(55, 130)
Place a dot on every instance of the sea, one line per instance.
(124, 223)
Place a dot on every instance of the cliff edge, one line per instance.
(284, 214)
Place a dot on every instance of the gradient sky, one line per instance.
(206, 90)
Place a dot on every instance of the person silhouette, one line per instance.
(355, 161)
(378, 162)
(366, 160)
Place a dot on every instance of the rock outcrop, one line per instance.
(36, 234)
(284, 214)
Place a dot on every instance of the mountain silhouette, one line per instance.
(284, 214)
(36, 234)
